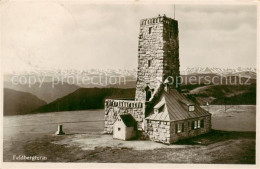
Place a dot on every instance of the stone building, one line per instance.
(162, 113)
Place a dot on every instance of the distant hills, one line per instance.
(222, 94)
(93, 98)
(127, 84)
(86, 98)
(16, 102)
(46, 91)
(23, 99)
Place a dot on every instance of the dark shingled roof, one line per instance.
(177, 108)
(128, 120)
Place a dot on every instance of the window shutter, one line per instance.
(202, 123)
(192, 125)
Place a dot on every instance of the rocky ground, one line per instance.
(231, 142)
(216, 147)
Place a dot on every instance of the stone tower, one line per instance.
(158, 55)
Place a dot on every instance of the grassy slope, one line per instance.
(224, 94)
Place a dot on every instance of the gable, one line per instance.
(176, 108)
(119, 122)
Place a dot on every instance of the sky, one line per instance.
(47, 35)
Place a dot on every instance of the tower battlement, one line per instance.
(156, 20)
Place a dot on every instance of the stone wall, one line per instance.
(188, 132)
(158, 131)
(165, 132)
(114, 108)
(171, 66)
(158, 53)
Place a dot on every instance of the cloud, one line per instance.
(82, 36)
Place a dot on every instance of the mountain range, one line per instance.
(219, 71)
(45, 91)
(129, 74)
(86, 98)
(46, 97)
(16, 102)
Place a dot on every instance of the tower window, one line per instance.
(149, 63)
(150, 30)
(148, 95)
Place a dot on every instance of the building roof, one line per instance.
(160, 104)
(128, 120)
(176, 108)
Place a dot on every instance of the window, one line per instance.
(176, 128)
(119, 129)
(180, 127)
(191, 108)
(148, 95)
(149, 63)
(195, 125)
(198, 123)
(161, 109)
(202, 123)
(150, 30)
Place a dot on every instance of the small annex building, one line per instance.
(125, 127)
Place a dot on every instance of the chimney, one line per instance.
(166, 85)
(167, 88)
